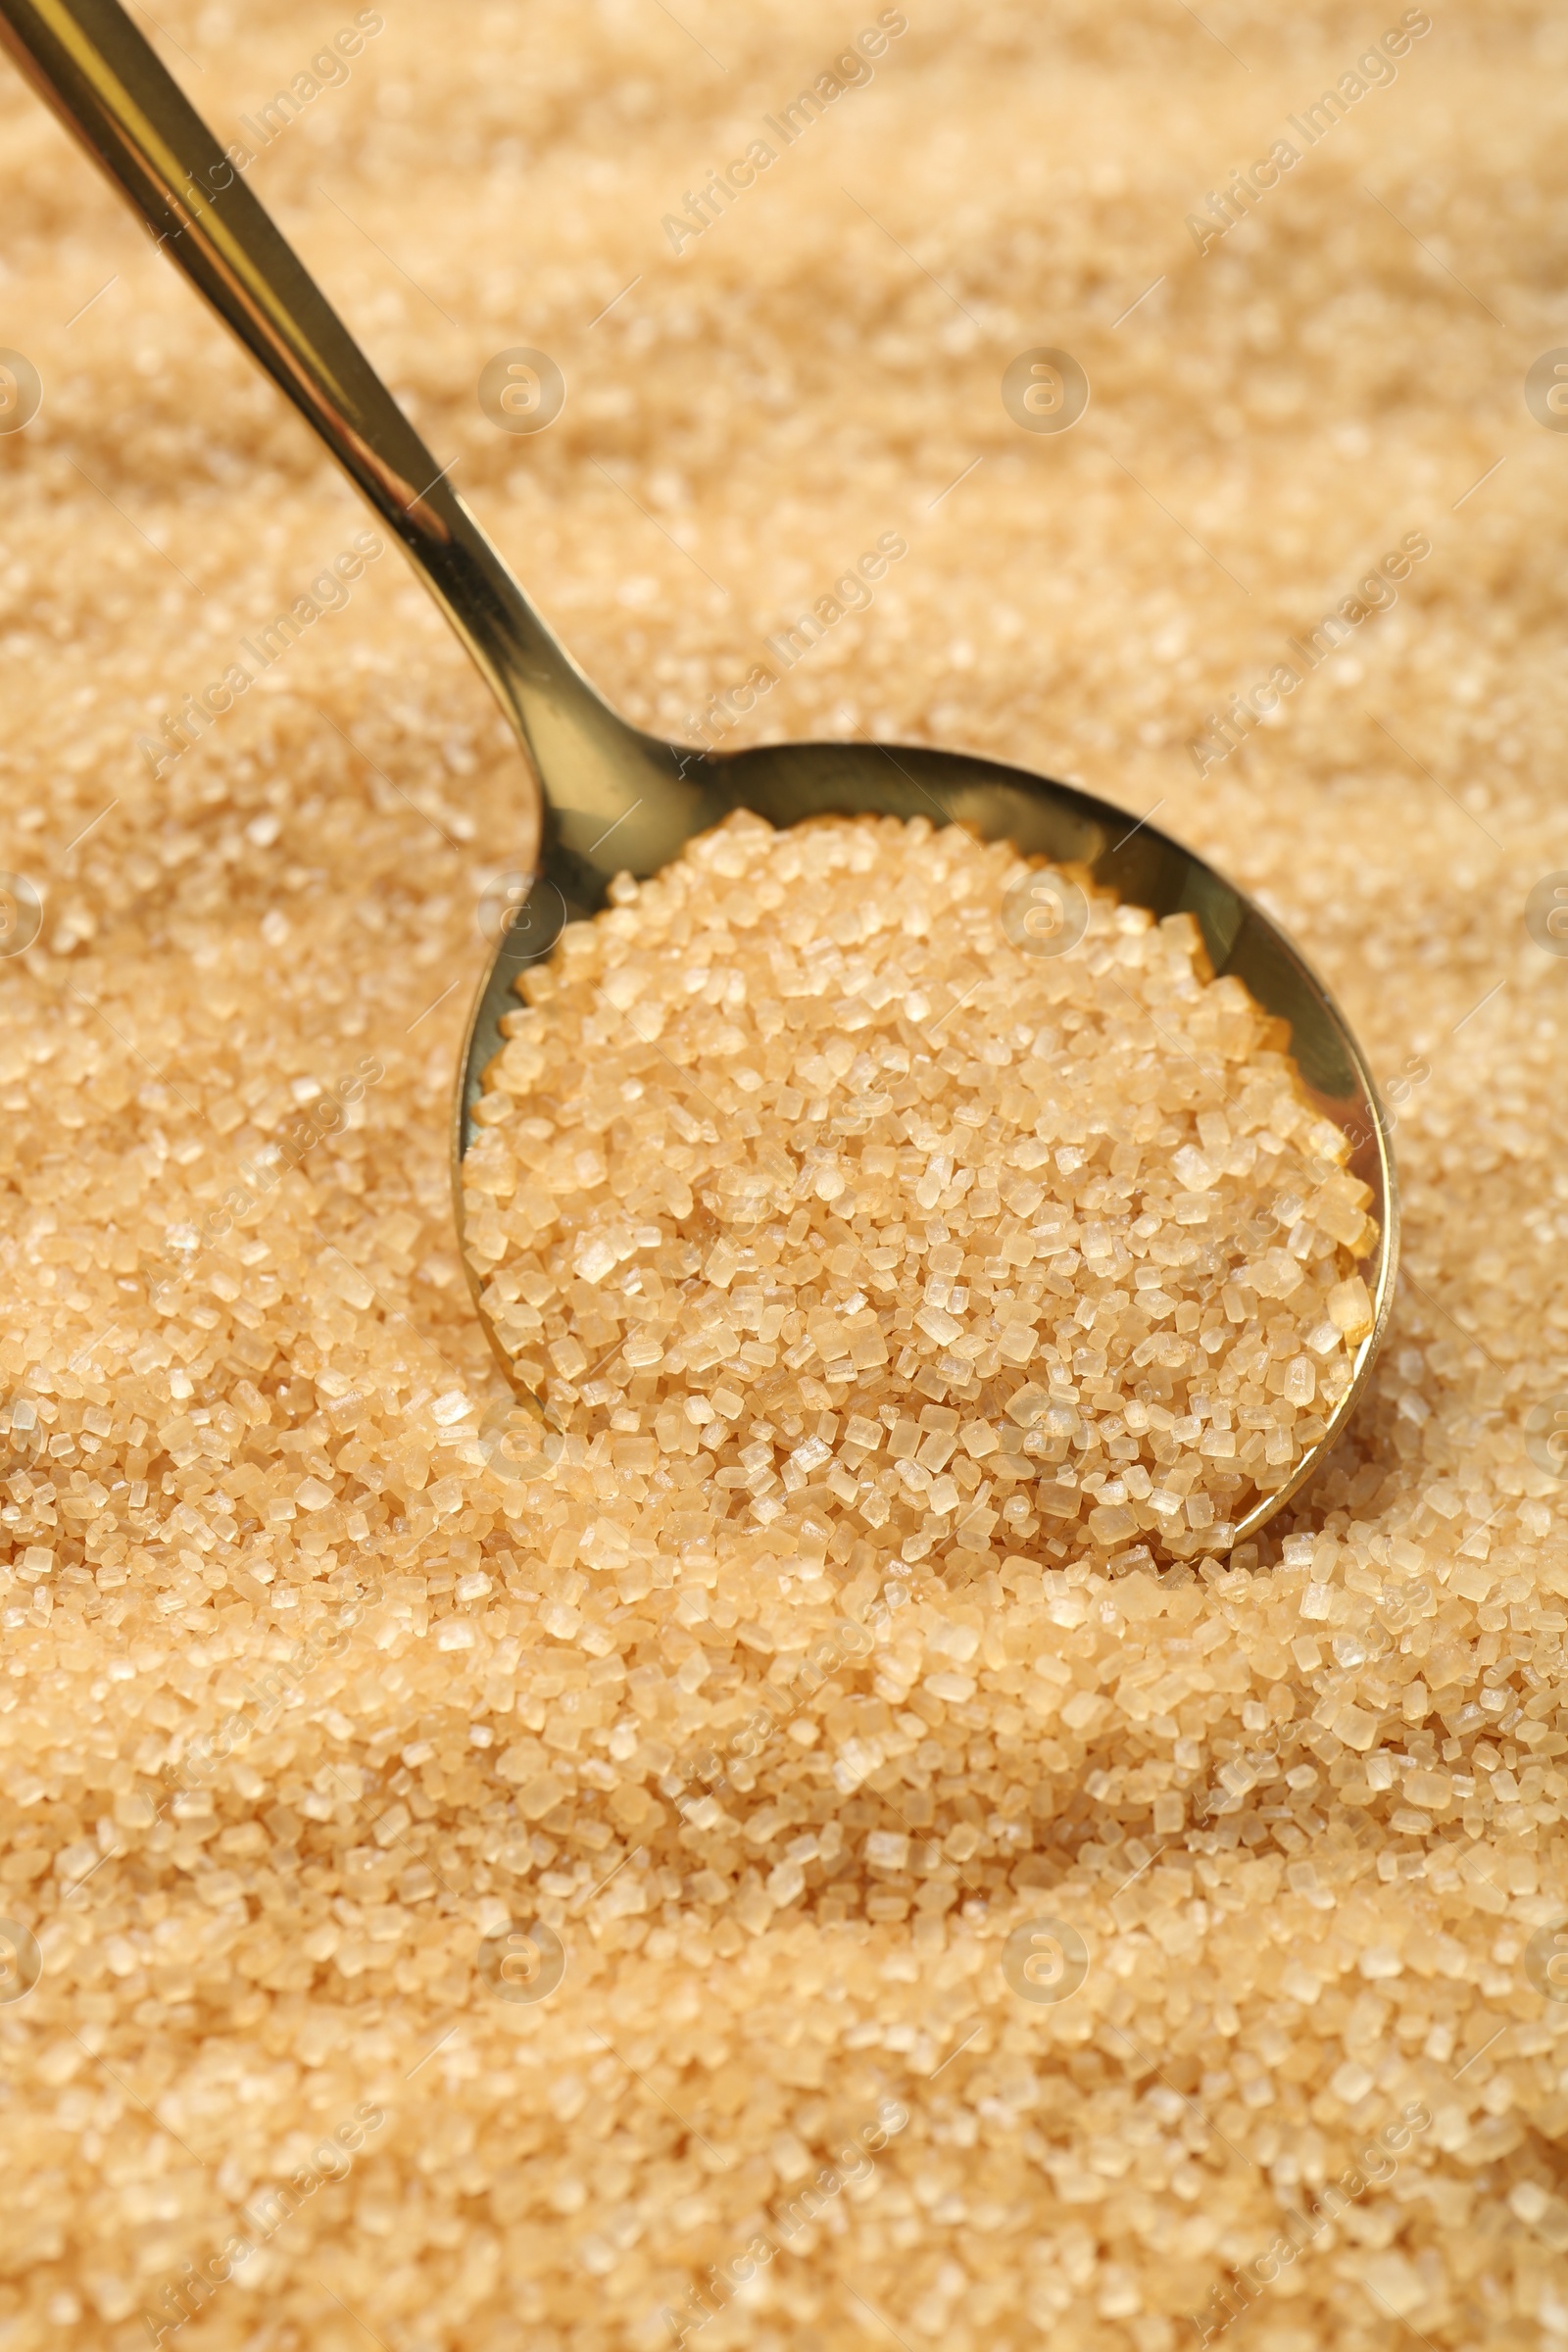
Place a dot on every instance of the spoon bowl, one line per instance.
(787, 783)
(606, 797)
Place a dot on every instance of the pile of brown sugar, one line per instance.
(804, 1176)
(316, 1683)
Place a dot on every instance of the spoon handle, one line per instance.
(99, 74)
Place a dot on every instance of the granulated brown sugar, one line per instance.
(312, 1693)
(866, 1168)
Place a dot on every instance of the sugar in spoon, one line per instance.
(606, 798)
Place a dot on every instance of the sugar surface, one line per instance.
(1307, 1820)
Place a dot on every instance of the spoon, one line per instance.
(608, 798)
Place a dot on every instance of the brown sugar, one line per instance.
(318, 1678)
(800, 1164)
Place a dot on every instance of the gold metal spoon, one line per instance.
(600, 782)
